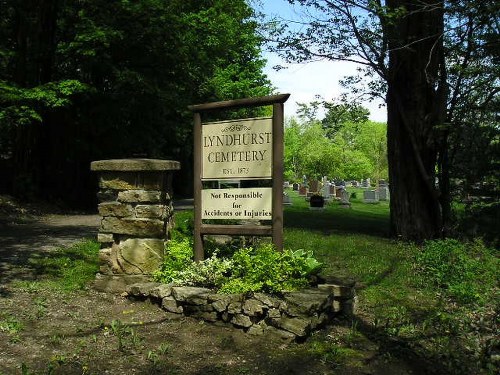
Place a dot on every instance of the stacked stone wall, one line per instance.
(294, 315)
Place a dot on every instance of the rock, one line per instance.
(105, 238)
(170, 304)
(134, 227)
(191, 295)
(337, 290)
(297, 326)
(141, 289)
(267, 300)
(241, 320)
(252, 307)
(139, 196)
(306, 302)
(151, 211)
(161, 291)
(234, 308)
(116, 209)
(140, 256)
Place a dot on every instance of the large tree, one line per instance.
(96, 79)
(400, 48)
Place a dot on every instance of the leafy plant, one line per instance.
(262, 268)
(178, 257)
(265, 269)
(467, 272)
(211, 272)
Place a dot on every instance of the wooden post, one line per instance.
(199, 254)
(278, 149)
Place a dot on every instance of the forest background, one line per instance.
(94, 79)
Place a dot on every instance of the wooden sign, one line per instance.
(239, 150)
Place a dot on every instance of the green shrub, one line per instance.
(209, 273)
(268, 270)
(467, 272)
(179, 255)
(262, 268)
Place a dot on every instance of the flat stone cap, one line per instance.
(135, 165)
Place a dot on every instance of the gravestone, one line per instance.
(325, 189)
(314, 186)
(295, 187)
(286, 185)
(332, 190)
(383, 193)
(338, 192)
(316, 202)
(303, 190)
(344, 200)
(286, 199)
(365, 183)
(370, 196)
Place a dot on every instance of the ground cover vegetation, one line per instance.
(421, 308)
(435, 65)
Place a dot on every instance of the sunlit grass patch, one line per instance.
(64, 269)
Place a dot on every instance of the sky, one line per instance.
(305, 81)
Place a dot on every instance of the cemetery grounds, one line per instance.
(52, 322)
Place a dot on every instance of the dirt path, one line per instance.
(21, 238)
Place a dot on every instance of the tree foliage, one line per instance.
(434, 62)
(357, 149)
(107, 79)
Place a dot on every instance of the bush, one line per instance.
(179, 255)
(467, 272)
(262, 268)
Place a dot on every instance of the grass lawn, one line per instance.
(442, 318)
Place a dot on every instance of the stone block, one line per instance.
(105, 238)
(140, 256)
(338, 291)
(274, 313)
(234, 308)
(134, 227)
(206, 316)
(115, 209)
(137, 180)
(307, 302)
(241, 320)
(297, 326)
(162, 291)
(151, 211)
(191, 295)
(107, 195)
(267, 300)
(141, 289)
(139, 196)
(170, 304)
(252, 307)
(116, 284)
(220, 302)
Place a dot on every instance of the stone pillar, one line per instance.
(135, 204)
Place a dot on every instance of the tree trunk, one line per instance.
(415, 108)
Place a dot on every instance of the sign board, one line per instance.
(237, 149)
(239, 204)
(232, 152)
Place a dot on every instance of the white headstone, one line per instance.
(370, 196)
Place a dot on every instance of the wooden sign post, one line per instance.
(233, 151)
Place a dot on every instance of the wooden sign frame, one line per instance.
(275, 230)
